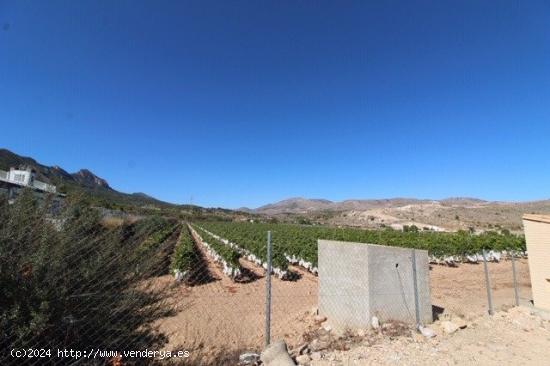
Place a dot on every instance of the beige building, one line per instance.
(537, 235)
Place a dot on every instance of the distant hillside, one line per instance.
(453, 213)
(295, 205)
(88, 179)
(304, 205)
(83, 181)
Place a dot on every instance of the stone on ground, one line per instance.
(427, 332)
(449, 327)
(303, 360)
(375, 322)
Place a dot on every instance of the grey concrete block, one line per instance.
(358, 281)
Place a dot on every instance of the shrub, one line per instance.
(69, 282)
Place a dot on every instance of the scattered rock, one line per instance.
(300, 350)
(318, 345)
(276, 354)
(427, 332)
(449, 327)
(249, 358)
(461, 323)
(316, 356)
(326, 326)
(375, 322)
(319, 318)
(302, 360)
(338, 332)
(417, 337)
(361, 332)
(323, 334)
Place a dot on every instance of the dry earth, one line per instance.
(513, 337)
(449, 214)
(222, 317)
(436, 215)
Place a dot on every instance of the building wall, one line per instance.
(20, 176)
(25, 178)
(537, 235)
(358, 281)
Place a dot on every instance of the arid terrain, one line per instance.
(448, 214)
(223, 318)
(513, 337)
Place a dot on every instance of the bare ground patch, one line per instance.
(222, 316)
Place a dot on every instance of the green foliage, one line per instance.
(185, 256)
(159, 230)
(301, 241)
(69, 282)
(229, 254)
(410, 229)
(251, 237)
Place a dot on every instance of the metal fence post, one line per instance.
(415, 284)
(488, 284)
(516, 294)
(268, 293)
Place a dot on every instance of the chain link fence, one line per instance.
(81, 289)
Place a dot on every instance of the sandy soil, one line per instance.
(515, 337)
(462, 291)
(220, 316)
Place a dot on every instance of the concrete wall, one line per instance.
(537, 235)
(343, 283)
(392, 287)
(357, 281)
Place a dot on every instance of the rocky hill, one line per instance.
(447, 214)
(83, 181)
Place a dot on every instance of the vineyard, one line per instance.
(226, 256)
(294, 244)
(252, 247)
(185, 256)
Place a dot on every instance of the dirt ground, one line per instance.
(221, 317)
(462, 291)
(513, 337)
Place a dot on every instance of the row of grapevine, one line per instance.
(252, 244)
(161, 232)
(298, 244)
(185, 256)
(221, 253)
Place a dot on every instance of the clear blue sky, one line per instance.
(240, 103)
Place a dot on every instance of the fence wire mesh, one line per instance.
(78, 288)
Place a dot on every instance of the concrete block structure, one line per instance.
(537, 236)
(358, 281)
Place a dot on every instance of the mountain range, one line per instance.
(447, 214)
(299, 205)
(83, 181)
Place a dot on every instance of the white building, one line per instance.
(25, 178)
(18, 176)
